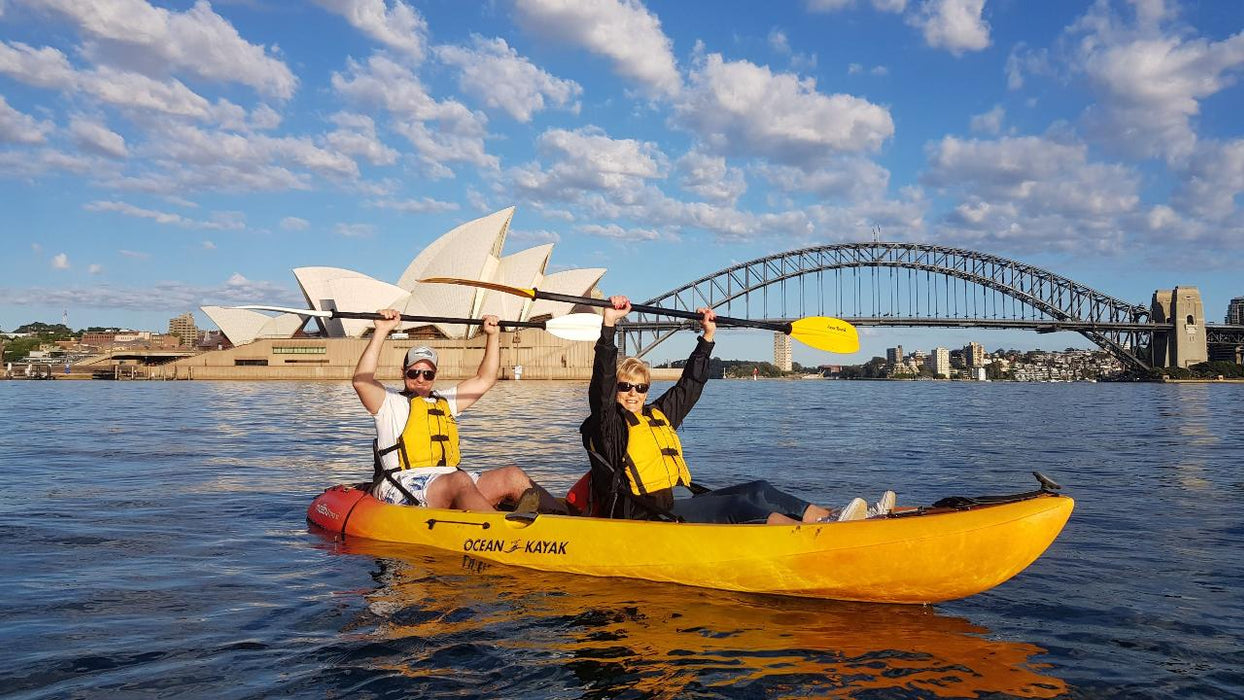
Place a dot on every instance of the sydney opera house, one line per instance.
(295, 346)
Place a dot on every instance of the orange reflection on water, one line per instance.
(663, 640)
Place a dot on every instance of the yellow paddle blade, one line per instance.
(517, 291)
(825, 333)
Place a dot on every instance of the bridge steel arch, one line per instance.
(1047, 294)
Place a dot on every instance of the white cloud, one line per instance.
(223, 160)
(851, 179)
(135, 254)
(356, 136)
(138, 37)
(778, 42)
(739, 108)
(458, 135)
(537, 236)
(859, 69)
(495, 74)
(17, 127)
(1213, 181)
(988, 123)
(1024, 60)
(588, 160)
(354, 230)
(1033, 193)
(97, 138)
(1150, 87)
(293, 223)
(60, 261)
(618, 232)
(400, 27)
(623, 31)
(44, 68)
(954, 25)
(224, 221)
(414, 206)
(95, 268)
(710, 177)
(175, 296)
(208, 245)
(837, 5)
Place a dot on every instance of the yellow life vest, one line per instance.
(430, 438)
(654, 459)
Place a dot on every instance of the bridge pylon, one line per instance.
(1185, 344)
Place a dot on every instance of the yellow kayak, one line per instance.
(924, 555)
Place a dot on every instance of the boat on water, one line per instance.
(956, 548)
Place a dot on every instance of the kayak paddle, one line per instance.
(568, 327)
(820, 332)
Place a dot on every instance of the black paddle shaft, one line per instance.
(371, 315)
(677, 313)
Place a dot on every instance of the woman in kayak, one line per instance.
(638, 467)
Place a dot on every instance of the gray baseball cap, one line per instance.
(422, 352)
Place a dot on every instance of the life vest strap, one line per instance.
(380, 474)
(669, 452)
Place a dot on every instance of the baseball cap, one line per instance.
(422, 352)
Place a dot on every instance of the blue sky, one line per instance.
(157, 157)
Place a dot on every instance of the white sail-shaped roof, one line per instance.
(578, 282)
(522, 269)
(470, 251)
(241, 326)
(361, 293)
(314, 284)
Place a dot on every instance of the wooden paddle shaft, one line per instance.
(677, 313)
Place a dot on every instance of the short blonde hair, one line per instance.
(634, 368)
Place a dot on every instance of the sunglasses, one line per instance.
(624, 387)
(428, 374)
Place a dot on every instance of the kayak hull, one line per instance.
(925, 557)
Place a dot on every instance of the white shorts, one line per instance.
(417, 482)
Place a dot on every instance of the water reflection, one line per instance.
(605, 637)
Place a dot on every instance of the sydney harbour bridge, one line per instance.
(921, 285)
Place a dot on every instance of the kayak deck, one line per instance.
(924, 556)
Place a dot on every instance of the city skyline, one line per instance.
(199, 160)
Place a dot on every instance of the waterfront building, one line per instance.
(470, 251)
(938, 362)
(259, 345)
(974, 354)
(184, 328)
(894, 356)
(781, 352)
(1235, 312)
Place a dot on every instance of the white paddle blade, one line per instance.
(581, 327)
(288, 310)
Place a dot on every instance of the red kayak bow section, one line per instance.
(331, 510)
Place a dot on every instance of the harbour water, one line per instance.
(154, 544)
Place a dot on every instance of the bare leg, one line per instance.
(510, 483)
(506, 483)
(814, 513)
(457, 490)
(779, 519)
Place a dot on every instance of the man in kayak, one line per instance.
(416, 447)
(638, 467)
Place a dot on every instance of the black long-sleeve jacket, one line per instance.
(606, 430)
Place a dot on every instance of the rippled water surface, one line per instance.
(155, 544)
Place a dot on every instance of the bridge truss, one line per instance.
(905, 284)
